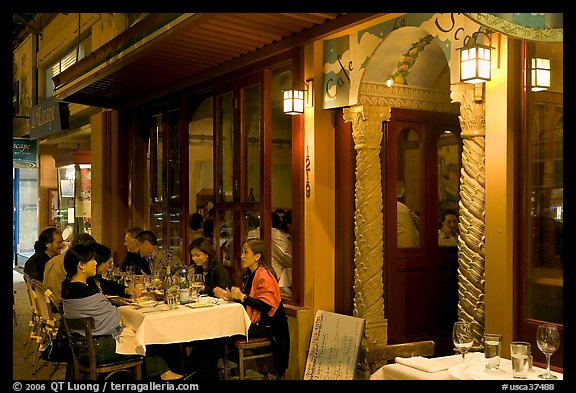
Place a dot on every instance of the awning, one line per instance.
(166, 53)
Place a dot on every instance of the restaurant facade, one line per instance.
(171, 114)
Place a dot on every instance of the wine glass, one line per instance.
(548, 340)
(462, 337)
(198, 282)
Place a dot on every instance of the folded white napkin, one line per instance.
(422, 363)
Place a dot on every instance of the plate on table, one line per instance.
(199, 305)
(147, 303)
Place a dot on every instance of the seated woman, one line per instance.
(103, 255)
(215, 274)
(80, 300)
(260, 295)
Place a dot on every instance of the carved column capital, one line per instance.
(367, 125)
(472, 112)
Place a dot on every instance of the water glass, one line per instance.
(520, 352)
(172, 297)
(492, 347)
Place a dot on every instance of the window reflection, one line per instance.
(408, 189)
(448, 188)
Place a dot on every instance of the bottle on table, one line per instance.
(169, 284)
(184, 286)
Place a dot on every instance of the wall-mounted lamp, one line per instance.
(540, 74)
(297, 98)
(475, 59)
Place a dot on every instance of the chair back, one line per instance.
(45, 303)
(82, 342)
(378, 356)
(80, 334)
(31, 297)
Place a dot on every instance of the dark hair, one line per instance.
(133, 231)
(206, 247)
(196, 220)
(276, 221)
(46, 237)
(83, 238)
(147, 235)
(102, 253)
(286, 221)
(208, 228)
(75, 254)
(447, 213)
(259, 247)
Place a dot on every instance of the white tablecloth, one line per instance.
(473, 368)
(158, 325)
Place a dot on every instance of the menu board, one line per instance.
(334, 346)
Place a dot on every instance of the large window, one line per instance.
(541, 184)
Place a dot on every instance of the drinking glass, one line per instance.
(129, 280)
(520, 355)
(462, 337)
(198, 282)
(492, 347)
(156, 281)
(548, 340)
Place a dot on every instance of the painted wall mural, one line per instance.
(412, 42)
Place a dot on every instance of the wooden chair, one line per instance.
(378, 356)
(248, 350)
(83, 346)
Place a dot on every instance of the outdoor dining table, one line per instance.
(452, 368)
(208, 318)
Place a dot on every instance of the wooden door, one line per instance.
(421, 285)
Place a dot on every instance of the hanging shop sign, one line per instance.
(24, 153)
(48, 118)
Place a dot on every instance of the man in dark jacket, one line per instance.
(49, 244)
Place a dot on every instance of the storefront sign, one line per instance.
(48, 118)
(24, 153)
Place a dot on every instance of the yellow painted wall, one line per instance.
(499, 204)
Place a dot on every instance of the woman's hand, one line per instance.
(237, 294)
(223, 293)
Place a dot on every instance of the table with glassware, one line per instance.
(153, 322)
(452, 367)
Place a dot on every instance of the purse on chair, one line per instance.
(58, 350)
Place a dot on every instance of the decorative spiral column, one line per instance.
(368, 221)
(471, 254)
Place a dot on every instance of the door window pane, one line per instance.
(408, 188)
(251, 126)
(226, 147)
(448, 188)
(543, 238)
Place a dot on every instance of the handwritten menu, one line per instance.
(334, 346)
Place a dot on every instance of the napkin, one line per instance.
(422, 363)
